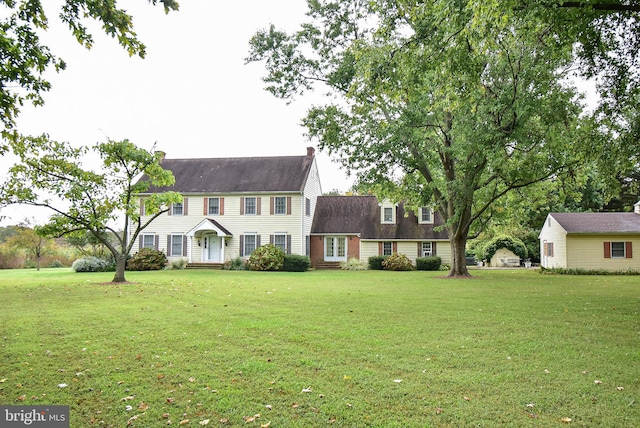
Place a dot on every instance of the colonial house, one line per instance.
(591, 240)
(231, 206)
(346, 227)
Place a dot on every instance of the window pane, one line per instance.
(281, 205)
(386, 248)
(426, 249)
(214, 205)
(250, 205)
(426, 214)
(329, 247)
(148, 241)
(280, 241)
(388, 215)
(176, 245)
(177, 209)
(249, 244)
(617, 249)
(342, 247)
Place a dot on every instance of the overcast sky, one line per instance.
(192, 94)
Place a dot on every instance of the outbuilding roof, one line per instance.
(361, 215)
(238, 175)
(623, 223)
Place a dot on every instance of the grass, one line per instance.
(369, 348)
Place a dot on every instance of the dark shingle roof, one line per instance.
(598, 222)
(361, 215)
(238, 175)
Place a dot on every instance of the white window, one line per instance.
(307, 207)
(176, 245)
(249, 206)
(335, 248)
(387, 249)
(148, 241)
(280, 241)
(427, 250)
(618, 250)
(387, 215)
(250, 244)
(177, 208)
(214, 206)
(426, 215)
(280, 205)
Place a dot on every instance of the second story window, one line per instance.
(426, 215)
(388, 215)
(249, 206)
(280, 205)
(177, 208)
(214, 206)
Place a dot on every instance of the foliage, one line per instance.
(147, 259)
(397, 262)
(30, 241)
(296, 263)
(266, 257)
(437, 105)
(582, 271)
(26, 60)
(50, 174)
(236, 263)
(376, 262)
(428, 263)
(487, 251)
(179, 264)
(93, 264)
(177, 341)
(353, 264)
(87, 243)
(56, 264)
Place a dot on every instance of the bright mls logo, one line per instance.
(34, 416)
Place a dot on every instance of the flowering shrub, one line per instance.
(397, 262)
(266, 257)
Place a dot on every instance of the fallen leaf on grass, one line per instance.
(530, 405)
(170, 400)
(204, 422)
(249, 419)
(128, 398)
(184, 421)
(566, 420)
(467, 399)
(533, 416)
(3, 380)
(192, 379)
(62, 385)
(438, 410)
(267, 425)
(224, 420)
(620, 388)
(306, 390)
(268, 407)
(22, 398)
(132, 419)
(597, 382)
(143, 406)
(397, 380)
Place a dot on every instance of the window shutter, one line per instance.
(241, 206)
(433, 249)
(628, 249)
(184, 245)
(607, 250)
(271, 205)
(185, 206)
(170, 209)
(551, 249)
(288, 244)
(271, 239)
(142, 210)
(140, 243)
(221, 209)
(241, 245)
(288, 205)
(258, 241)
(169, 245)
(419, 249)
(206, 206)
(394, 248)
(379, 248)
(258, 203)
(156, 242)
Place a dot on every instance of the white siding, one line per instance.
(552, 232)
(312, 190)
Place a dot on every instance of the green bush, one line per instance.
(296, 263)
(235, 264)
(179, 264)
(375, 262)
(397, 262)
(56, 264)
(353, 264)
(266, 257)
(503, 241)
(93, 264)
(428, 263)
(147, 259)
(582, 271)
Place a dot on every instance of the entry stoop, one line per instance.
(327, 265)
(204, 265)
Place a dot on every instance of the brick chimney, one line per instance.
(310, 151)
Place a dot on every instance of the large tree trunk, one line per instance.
(121, 264)
(458, 253)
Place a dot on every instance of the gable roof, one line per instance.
(361, 215)
(615, 223)
(238, 175)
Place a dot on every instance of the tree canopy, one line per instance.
(24, 58)
(439, 103)
(50, 174)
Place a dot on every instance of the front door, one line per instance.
(212, 245)
(335, 248)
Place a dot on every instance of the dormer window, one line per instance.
(387, 213)
(425, 215)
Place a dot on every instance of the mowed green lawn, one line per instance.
(324, 348)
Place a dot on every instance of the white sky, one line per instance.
(192, 93)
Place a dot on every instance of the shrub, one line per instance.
(375, 262)
(353, 264)
(93, 264)
(179, 264)
(428, 263)
(56, 264)
(235, 264)
(147, 259)
(583, 271)
(266, 257)
(503, 241)
(296, 263)
(397, 262)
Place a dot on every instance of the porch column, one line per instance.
(190, 248)
(222, 245)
